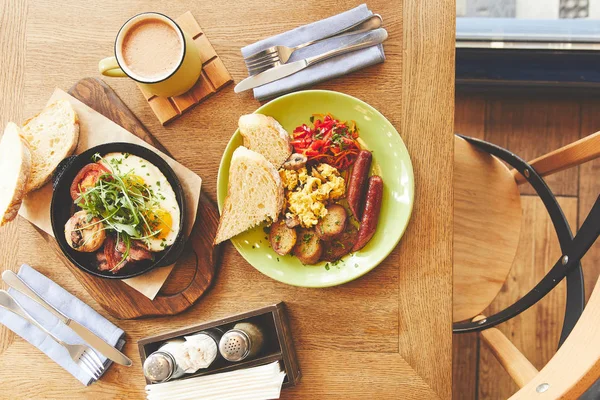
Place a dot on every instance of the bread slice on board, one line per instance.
(15, 168)
(266, 136)
(254, 194)
(52, 135)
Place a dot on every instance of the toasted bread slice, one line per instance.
(52, 135)
(266, 136)
(15, 168)
(254, 194)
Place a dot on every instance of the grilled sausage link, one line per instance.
(368, 223)
(357, 184)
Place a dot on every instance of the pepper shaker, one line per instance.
(244, 341)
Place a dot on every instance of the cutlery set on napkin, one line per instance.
(313, 53)
(63, 327)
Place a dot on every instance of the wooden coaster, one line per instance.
(214, 77)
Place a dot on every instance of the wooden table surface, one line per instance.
(385, 335)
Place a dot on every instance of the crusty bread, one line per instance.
(15, 168)
(52, 135)
(254, 194)
(266, 136)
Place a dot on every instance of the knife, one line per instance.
(371, 38)
(14, 281)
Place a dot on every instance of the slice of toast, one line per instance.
(15, 168)
(254, 194)
(52, 135)
(266, 136)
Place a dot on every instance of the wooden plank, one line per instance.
(422, 21)
(531, 126)
(465, 359)
(470, 114)
(13, 14)
(188, 23)
(536, 331)
(589, 189)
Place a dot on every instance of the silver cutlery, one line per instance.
(108, 351)
(278, 55)
(83, 355)
(369, 39)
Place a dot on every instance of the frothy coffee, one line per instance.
(152, 49)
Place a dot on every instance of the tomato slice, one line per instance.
(87, 178)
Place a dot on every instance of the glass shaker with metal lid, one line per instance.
(244, 341)
(162, 365)
(178, 357)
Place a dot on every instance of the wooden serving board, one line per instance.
(195, 271)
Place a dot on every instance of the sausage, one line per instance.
(357, 183)
(368, 223)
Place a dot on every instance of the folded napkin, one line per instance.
(69, 305)
(257, 383)
(328, 69)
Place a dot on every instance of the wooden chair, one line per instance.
(487, 215)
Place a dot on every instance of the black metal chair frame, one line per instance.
(568, 265)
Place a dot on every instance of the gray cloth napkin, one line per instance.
(328, 69)
(72, 307)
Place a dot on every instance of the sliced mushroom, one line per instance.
(295, 162)
(83, 234)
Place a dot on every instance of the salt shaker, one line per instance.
(244, 341)
(164, 364)
(179, 357)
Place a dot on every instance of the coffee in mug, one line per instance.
(153, 50)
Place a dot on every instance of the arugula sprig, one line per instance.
(123, 202)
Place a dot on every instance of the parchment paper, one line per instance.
(96, 129)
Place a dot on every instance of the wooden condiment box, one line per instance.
(279, 345)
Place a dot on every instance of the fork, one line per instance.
(83, 355)
(277, 55)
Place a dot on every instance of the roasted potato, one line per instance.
(340, 246)
(282, 238)
(332, 225)
(308, 247)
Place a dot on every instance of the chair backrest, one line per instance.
(487, 226)
(576, 365)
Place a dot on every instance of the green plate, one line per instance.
(390, 160)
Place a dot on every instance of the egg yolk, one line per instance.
(135, 180)
(160, 220)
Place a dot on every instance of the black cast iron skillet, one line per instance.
(62, 208)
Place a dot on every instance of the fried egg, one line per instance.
(165, 216)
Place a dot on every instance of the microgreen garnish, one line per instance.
(125, 204)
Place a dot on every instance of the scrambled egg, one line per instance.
(307, 194)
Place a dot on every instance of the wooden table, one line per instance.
(386, 335)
